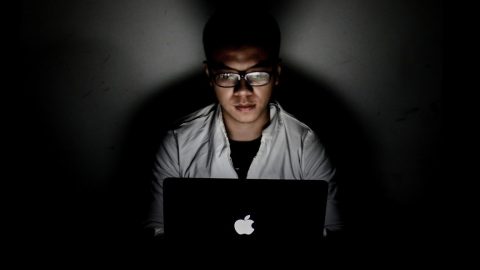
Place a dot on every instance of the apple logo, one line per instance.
(244, 226)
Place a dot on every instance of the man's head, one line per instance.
(242, 51)
(230, 28)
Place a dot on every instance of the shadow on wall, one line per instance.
(63, 212)
(309, 99)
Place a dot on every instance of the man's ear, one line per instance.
(279, 71)
(207, 72)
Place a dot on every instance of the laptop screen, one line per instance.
(252, 209)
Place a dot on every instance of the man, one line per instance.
(247, 134)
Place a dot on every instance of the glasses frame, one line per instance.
(243, 75)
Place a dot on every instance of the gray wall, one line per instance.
(102, 78)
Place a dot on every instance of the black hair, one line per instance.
(228, 28)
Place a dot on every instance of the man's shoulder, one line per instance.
(195, 119)
(292, 123)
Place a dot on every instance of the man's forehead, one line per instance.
(241, 49)
(243, 56)
(246, 65)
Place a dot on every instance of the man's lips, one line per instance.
(245, 107)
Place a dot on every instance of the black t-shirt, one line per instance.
(242, 154)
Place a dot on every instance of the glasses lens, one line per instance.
(257, 78)
(227, 79)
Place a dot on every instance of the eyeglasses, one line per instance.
(256, 78)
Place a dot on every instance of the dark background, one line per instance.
(101, 80)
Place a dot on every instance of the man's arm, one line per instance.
(316, 165)
(166, 165)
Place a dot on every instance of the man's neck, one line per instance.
(238, 131)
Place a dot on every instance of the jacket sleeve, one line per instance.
(166, 165)
(316, 165)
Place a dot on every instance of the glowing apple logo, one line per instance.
(244, 226)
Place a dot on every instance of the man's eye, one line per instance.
(227, 76)
(258, 75)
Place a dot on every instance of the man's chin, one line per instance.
(245, 117)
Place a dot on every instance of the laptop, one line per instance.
(244, 210)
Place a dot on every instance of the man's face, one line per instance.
(243, 103)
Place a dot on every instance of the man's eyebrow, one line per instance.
(219, 65)
(264, 63)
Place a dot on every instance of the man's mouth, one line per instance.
(245, 107)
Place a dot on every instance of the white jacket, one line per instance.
(199, 147)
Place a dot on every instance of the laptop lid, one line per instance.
(245, 210)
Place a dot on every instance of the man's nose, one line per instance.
(243, 87)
